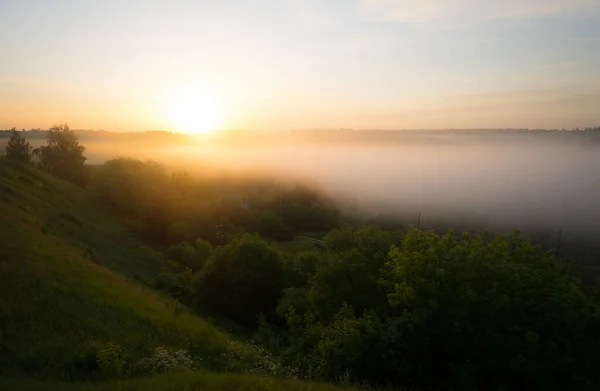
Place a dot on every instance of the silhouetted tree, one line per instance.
(18, 148)
(62, 156)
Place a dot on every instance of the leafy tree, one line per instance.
(468, 312)
(123, 183)
(62, 156)
(182, 182)
(269, 225)
(156, 224)
(242, 280)
(487, 313)
(305, 265)
(315, 218)
(370, 241)
(344, 278)
(177, 283)
(192, 255)
(18, 148)
(306, 192)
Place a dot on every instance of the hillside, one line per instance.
(57, 289)
(189, 381)
(411, 309)
(71, 275)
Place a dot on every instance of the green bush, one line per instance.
(469, 312)
(163, 360)
(104, 360)
(193, 255)
(111, 360)
(241, 280)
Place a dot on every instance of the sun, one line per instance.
(196, 111)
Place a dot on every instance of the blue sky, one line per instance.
(292, 64)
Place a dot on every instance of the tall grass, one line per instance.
(188, 381)
(59, 286)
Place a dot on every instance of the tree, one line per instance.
(62, 156)
(192, 255)
(242, 280)
(344, 278)
(126, 184)
(488, 313)
(444, 312)
(18, 148)
(372, 242)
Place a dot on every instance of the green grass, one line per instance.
(189, 381)
(62, 282)
(71, 274)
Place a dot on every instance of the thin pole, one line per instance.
(559, 239)
(281, 205)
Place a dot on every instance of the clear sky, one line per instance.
(283, 64)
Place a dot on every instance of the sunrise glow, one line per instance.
(196, 111)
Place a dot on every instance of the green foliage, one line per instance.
(193, 255)
(155, 228)
(344, 278)
(345, 344)
(241, 280)
(171, 208)
(62, 156)
(125, 184)
(270, 225)
(370, 241)
(18, 148)
(419, 309)
(62, 288)
(502, 308)
(163, 360)
(178, 284)
(188, 381)
(111, 360)
(316, 218)
(465, 312)
(305, 265)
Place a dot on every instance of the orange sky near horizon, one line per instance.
(199, 66)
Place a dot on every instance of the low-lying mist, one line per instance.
(535, 184)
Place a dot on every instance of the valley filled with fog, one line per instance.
(475, 180)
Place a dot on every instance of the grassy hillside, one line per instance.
(60, 285)
(189, 381)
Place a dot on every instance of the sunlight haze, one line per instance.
(299, 64)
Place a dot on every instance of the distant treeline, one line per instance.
(149, 137)
(333, 136)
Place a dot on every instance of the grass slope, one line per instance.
(189, 381)
(59, 286)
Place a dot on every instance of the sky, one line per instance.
(288, 64)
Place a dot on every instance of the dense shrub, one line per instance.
(99, 360)
(163, 360)
(193, 255)
(241, 280)
(177, 283)
(464, 312)
(111, 360)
